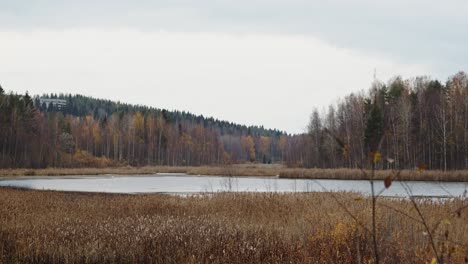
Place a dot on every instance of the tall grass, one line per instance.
(357, 174)
(55, 227)
(248, 170)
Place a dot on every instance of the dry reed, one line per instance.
(56, 227)
(262, 170)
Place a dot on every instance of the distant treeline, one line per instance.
(415, 122)
(95, 132)
(418, 122)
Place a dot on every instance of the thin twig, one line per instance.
(343, 207)
(429, 233)
(401, 212)
(374, 224)
(394, 178)
(451, 215)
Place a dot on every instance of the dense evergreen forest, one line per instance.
(412, 122)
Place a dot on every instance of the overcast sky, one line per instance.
(262, 62)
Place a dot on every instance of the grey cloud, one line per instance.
(432, 32)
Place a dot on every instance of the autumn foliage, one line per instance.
(413, 121)
(420, 121)
(99, 133)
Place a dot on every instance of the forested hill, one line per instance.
(79, 131)
(417, 122)
(100, 109)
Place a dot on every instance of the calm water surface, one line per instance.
(187, 184)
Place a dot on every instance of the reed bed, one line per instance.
(357, 174)
(56, 227)
(128, 170)
(261, 170)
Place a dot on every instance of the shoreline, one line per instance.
(442, 198)
(243, 170)
(169, 174)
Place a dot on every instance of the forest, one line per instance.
(88, 132)
(411, 121)
(418, 122)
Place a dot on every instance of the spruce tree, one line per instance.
(374, 127)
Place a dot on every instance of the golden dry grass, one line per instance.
(91, 171)
(56, 227)
(356, 174)
(267, 170)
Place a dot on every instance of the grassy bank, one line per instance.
(246, 170)
(54, 227)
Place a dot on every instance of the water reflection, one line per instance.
(167, 183)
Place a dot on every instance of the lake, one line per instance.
(188, 184)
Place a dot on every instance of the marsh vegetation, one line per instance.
(55, 227)
(248, 169)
